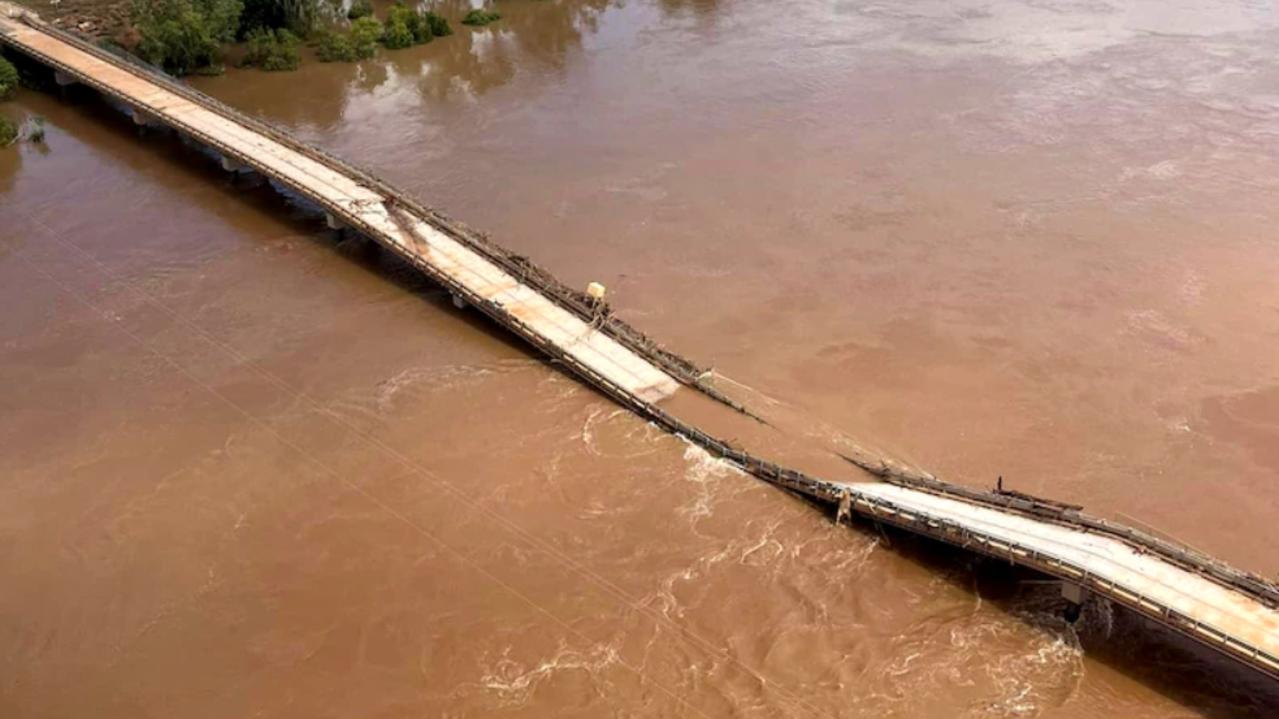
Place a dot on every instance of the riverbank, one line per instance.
(97, 19)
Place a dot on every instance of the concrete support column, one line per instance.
(230, 164)
(62, 79)
(1076, 595)
(333, 222)
(459, 302)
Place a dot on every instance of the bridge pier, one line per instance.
(145, 121)
(62, 79)
(333, 222)
(230, 164)
(1075, 595)
(458, 301)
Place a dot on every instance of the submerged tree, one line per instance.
(405, 27)
(480, 17)
(366, 33)
(358, 43)
(184, 36)
(401, 23)
(359, 9)
(438, 26)
(272, 50)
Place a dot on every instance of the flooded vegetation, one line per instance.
(257, 467)
(481, 17)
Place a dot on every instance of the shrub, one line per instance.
(8, 131)
(405, 27)
(398, 34)
(421, 30)
(359, 9)
(184, 35)
(8, 79)
(359, 43)
(272, 50)
(480, 17)
(331, 46)
(365, 34)
(438, 25)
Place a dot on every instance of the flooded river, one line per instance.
(251, 468)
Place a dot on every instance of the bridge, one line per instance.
(1229, 610)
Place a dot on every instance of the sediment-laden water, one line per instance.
(251, 468)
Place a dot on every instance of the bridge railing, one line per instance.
(790, 479)
(574, 301)
(1053, 564)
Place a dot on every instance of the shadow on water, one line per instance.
(1177, 667)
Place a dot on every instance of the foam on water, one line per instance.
(514, 682)
(704, 470)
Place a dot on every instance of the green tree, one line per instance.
(8, 79)
(480, 17)
(437, 24)
(358, 43)
(400, 23)
(366, 32)
(183, 36)
(272, 50)
(333, 46)
(359, 9)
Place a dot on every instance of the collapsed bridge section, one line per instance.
(1222, 607)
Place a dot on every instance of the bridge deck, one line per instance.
(1236, 622)
(347, 198)
(1219, 616)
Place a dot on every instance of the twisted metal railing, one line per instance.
(678, 367)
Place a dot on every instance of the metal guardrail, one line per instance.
(965, 537)
(574, 301)
(1257, 587)
(688, 373)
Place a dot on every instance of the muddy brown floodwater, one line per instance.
(248, 468)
